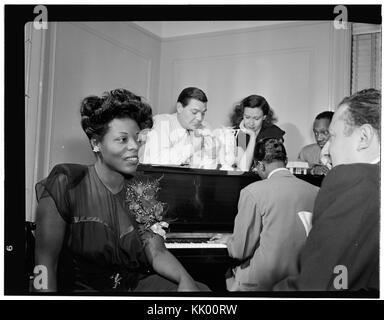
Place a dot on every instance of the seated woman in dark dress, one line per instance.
(86, 236)
(254, 117)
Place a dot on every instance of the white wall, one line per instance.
(89, 59)
(301, 69)
(34, 70)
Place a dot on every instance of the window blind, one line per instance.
(366, 57)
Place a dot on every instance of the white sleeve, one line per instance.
(157, 146)
(151, 148)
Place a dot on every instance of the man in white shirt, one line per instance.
(180, 138)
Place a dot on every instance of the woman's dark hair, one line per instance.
(270, 150)
(253, 101)
(97, 112)
(191, 93)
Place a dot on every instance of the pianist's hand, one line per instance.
(220, 238)
(319, 170)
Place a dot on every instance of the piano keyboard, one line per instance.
(192, 241)
(194, 245)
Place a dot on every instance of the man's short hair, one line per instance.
(325, 115)
(270, 150)
(191, 93)
(364, 107)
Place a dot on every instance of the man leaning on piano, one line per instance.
(180, 138)
(275, 240)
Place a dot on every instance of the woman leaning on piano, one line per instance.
(255, 119)
(85, 235)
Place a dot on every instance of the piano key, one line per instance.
(193, 240)
(193, 235)
(193, 245)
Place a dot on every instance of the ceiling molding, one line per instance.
(242, 31)
(144, 30)
(186, 31)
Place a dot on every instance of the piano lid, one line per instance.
(202, 200)
(199, 200)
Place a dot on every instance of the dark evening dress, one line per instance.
(102, 249)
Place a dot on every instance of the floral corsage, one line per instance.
(148, 211)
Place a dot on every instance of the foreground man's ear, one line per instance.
(366, 135)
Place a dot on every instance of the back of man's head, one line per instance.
(355, 129)
(364, 107)
(270, 154)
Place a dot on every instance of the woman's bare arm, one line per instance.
(50, 230)
(166, 264)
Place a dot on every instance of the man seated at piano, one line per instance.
(269, 231)
(181, 138)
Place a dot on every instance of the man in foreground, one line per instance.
(342, 250)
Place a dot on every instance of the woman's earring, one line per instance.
(96, 149)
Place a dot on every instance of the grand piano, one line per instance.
(202, 203)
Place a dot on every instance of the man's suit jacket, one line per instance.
(345, 233)
(268, 233)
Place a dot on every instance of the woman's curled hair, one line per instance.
(270, 150)
(253, 101)
(97, 112)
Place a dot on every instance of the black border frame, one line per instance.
(14, 157)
